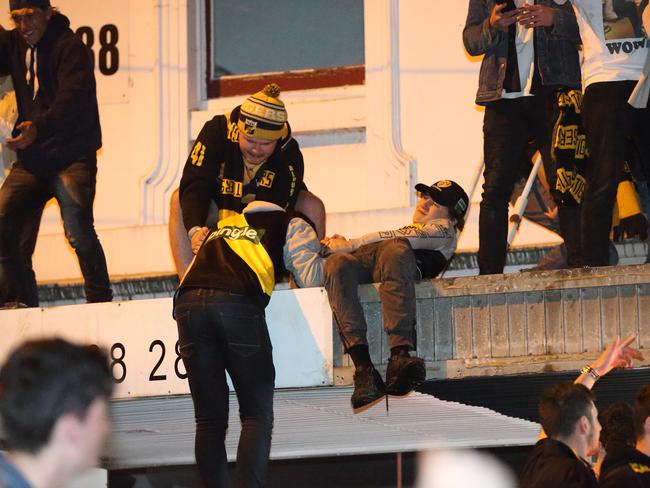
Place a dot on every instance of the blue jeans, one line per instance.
(220, 332)
(23, 196)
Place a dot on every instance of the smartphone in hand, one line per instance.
(510, 5)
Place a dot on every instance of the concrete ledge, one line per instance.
(521, 322)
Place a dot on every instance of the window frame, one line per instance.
(304, 79)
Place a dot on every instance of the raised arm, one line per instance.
(618, 354)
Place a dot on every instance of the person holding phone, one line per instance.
(530, 73)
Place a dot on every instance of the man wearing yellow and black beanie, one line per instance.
(248, 154)
(263, 115)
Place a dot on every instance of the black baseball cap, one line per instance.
(447, 193)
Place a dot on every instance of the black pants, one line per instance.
(23, 196)
(611, 124)
(508, 126)
(221, 332)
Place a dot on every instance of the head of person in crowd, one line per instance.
(445, 199)
(642, 419)
(617, 423)
(31, 18)
(568, 414)
(262, 123)
(54, 408)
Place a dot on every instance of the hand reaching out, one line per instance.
(617, 355)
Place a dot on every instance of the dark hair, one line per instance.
(617, 421)
(561, 406)
(459, 221)
(43, 380)
(641, 410)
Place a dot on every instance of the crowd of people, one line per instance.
(243, 217)
(587, 117)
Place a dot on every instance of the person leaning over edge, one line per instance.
(54, 410)
(530, 69)
(237, 158)
(395, 259)
(570, 420)
(56, 137)
(627, 463)
(219, 308)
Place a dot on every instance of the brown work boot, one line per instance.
(404, 373)
(368, 387)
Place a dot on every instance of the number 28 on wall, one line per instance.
(109, 54)
(118, 362)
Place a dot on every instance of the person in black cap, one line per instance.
(56, 137)
(395, 259)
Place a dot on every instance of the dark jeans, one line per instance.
(221, 332)
(390, 263)
(23, 196)
(508, 126)
(611, 125)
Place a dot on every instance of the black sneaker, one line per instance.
(368, 387)
(404, 373)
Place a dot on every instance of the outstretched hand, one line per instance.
(618, 354)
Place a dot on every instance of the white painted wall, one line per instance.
(153, 107)
(141, 337)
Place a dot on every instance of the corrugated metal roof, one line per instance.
(313, 423)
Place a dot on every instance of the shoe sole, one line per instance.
(367, 403)
(411, 377)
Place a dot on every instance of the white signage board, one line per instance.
(104, 27)
(141, 337)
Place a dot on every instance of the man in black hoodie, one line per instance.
(56, 138)
(570, 425)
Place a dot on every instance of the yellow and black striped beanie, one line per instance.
(263, 115)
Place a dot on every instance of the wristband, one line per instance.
(589, 370)
(193, 231)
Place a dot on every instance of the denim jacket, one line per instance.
(557, 49)
(9, 475)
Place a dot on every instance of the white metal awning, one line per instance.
(315, 422)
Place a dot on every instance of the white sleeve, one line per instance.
(301, 254)
(437, 235)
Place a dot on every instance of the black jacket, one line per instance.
(242, 253)
(65, 108)
(553, 464)
(625, 467)
(214, 171)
